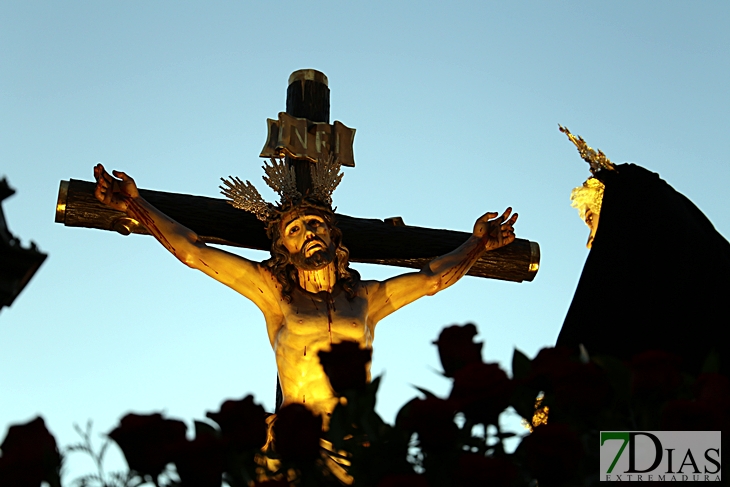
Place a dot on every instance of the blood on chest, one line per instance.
(326, 317)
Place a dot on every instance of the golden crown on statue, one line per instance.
(596, 159)
(326, 176)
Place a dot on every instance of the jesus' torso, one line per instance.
(311, 323)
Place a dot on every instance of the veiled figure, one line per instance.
(657, 276)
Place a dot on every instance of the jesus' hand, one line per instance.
(496, 231)
(114, 192)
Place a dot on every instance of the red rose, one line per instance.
(481, 392)
(346, 365)
(433, 420)
(713, 390)
(406, 480)
(297, 431)
(686, 415)
(272, 483)
(242, 422)
(457, 348)
(582, 389)
(554, 453)
(550, 365)
(29, 456)
(576, 387)
(199, 462)
(655, 375)
(477, 470)
(149, 442)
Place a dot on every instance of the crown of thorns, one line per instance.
(326, 176)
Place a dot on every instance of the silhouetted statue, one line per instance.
(657, 276)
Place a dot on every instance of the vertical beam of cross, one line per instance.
(308, 96)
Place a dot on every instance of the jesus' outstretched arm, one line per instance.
(490, 233)
(247, 277)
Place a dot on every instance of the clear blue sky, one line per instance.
(456, 107)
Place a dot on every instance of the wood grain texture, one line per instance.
(311, 100)
(369, 240)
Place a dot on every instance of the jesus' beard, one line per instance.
(318, 260)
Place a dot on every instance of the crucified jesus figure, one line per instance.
(309, 295)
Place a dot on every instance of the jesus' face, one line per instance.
(306, 236)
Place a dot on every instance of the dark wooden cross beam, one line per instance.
(387, 242)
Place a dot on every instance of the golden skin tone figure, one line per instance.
(591, 220)
(319, 312)
(587, 199)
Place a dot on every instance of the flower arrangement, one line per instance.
(565, 398)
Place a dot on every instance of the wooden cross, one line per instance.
(387, 242)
